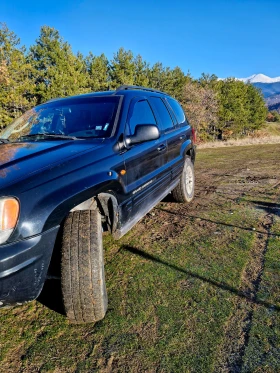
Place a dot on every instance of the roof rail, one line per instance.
(126, 87)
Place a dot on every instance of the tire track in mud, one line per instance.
(237, 330)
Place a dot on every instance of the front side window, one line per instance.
(78, 117)
(141, 113)
(165, 118)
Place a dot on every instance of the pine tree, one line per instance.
(167, 80)
(98, 72)
(175, 82)
(257, 111)
(233, 112)
(16, 86)
(141, 72)
(58, 71)
(157, 76)
(122, 68)
(208, 80)
(241, 108)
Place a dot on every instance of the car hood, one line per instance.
(18, 160)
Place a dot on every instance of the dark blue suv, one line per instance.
(74, 167)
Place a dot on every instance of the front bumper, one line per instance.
(23, 267)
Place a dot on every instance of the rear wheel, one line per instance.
(83, 278)
(184, 191)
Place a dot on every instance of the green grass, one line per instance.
(173, 284)
(263, 351)
(272, 129)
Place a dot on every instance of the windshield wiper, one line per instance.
(49, 135)
(4, 141)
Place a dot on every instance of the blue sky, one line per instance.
(228, 38)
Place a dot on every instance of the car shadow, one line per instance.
(169, 198)
(51, 296)
(143, 254)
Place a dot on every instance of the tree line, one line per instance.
(49, 68)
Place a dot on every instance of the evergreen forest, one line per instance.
(218, 109)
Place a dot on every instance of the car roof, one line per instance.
(122, 90)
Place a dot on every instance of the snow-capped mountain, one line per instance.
(259, 78)
(270, 88)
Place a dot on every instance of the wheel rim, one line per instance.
(189, 180)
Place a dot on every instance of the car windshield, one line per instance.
(80, 117)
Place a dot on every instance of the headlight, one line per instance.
(9, 211)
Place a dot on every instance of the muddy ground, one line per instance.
(192, 288)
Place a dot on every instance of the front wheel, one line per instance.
(184, 191)
(83, 279)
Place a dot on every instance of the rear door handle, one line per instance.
(183, 137)
(161, 148)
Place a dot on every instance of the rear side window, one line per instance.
(176, 107)
(165, 118)
(140, 114)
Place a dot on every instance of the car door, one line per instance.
(172, 132)
(146, 176)
(181, 134)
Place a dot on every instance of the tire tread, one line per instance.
(83, 281)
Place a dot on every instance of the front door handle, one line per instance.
(161, 148)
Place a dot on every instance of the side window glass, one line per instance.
(141, 114)
(176, 107)
(165, 118)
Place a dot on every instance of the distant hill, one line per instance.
(275, 106)
(270, 88)
(273, 102)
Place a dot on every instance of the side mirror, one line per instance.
(143, 132)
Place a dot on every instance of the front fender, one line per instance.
(47, 205)
(75, 201)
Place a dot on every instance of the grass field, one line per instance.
(192, 288)
(268, 134)
(272, 129)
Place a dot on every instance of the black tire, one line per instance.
(184, 191)
(83, 278)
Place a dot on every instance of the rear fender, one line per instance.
(185, 148)
(188, 149)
